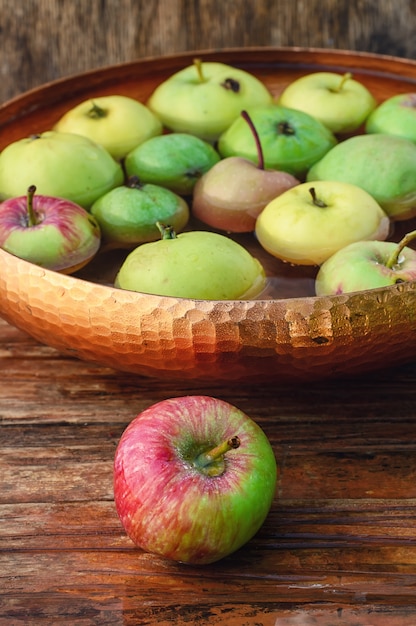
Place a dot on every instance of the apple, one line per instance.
(395, 116)
(202, 265)
(309, 223)
(118, 123)
(232, 194)
(62, 165)
(337, 100)
(51, 232)
(127, 215)
(291, 140)
(383, 165)
(367, 265)
(194, 479)
(204, 98)
(174, 160)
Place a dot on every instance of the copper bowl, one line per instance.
(287, 336)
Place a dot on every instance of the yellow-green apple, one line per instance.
(232, 194)
(291, 140)
(367, 265)
(395, 116)
(337, 100)
(383, 165)
(118, 123)
(310, 222)
(173, 160)
(127, 215)
(194, 479)
(204, 98)
(51, 232)
(201, 265)
(64, 165)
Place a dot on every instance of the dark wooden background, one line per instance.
(41, 40)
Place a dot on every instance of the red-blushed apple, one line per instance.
(367, 265)
(51, 232)
(308, 223)
(233, 192)
(194, 479)
(337, 100)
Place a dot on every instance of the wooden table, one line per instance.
(339, 545)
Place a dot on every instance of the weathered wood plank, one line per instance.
(341, 532)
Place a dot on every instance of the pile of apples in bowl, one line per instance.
(240, 215)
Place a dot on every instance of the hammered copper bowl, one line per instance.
(288, 336)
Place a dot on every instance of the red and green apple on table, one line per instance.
(194, 479)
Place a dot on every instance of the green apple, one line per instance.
(291, 140)
(201, 265)
(338, 101)
(232, 194)
(118, 123)
(54, 233)
(204, 98)
(309, 223)
(174, 160)
(367, 265)
(395, 116)
(62, 165)
(128, 215)
(383, 165)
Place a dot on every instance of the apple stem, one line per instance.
(212, 461)
(347, 76)
(166, 231)
(198, 65)
(394, 257)
(315, 199)
(31, 215)
(260, 155)
(96, 112)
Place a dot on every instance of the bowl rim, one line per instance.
(312, 56)
(134, 296)
(186, 55)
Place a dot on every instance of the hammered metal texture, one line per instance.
(266, 340)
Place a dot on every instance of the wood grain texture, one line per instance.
(338, 547)
(46, 39)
